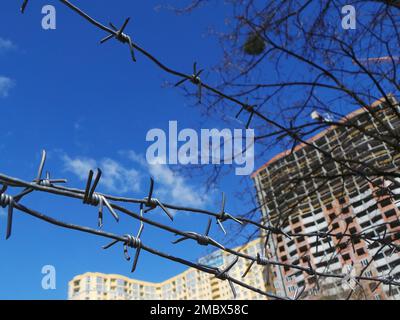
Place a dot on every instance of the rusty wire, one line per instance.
(89, 196)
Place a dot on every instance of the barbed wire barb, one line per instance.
(7, 201)
(298, 293)
(122, 37)
(195, 79)
(250, 110)
(223, 215)
(23, 6)
(153, 203)
(224, 275)
(95, 199)
(203, 240)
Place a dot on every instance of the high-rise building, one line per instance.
(342, 203)
(191, 284)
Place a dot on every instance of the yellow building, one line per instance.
(191, 284)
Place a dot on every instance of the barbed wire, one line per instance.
(89, 196)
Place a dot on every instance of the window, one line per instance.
(295, 220)
(364, 262)
(378, 217)
(297, 230)
(395, 224)
(289, 278)
(307, 215)
(335, 226)
(349, 220)
(345, 210)
(396, 236)
(385, 203)
(379, 256)
(390, 213)
(346, 257)
(303, 249)
(360, 251)
(292, 288)
(322, 264)
(321, 220)
(307, 225)
(320, 253)
(365, 224)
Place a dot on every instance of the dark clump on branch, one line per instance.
(255, 45)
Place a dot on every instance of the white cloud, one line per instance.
(116, 178)
(79, 166)
(6, 44)
(172, 186)
(177, 187)
(6, 84)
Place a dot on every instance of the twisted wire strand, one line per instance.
(200, 239)
(134, 242)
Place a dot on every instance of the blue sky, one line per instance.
(89, 106)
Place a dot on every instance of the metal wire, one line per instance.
(114, 204)
(130, 241)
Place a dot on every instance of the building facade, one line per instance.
(191, 284)
(342, 203)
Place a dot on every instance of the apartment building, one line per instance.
(352, 204)
(191, 284)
